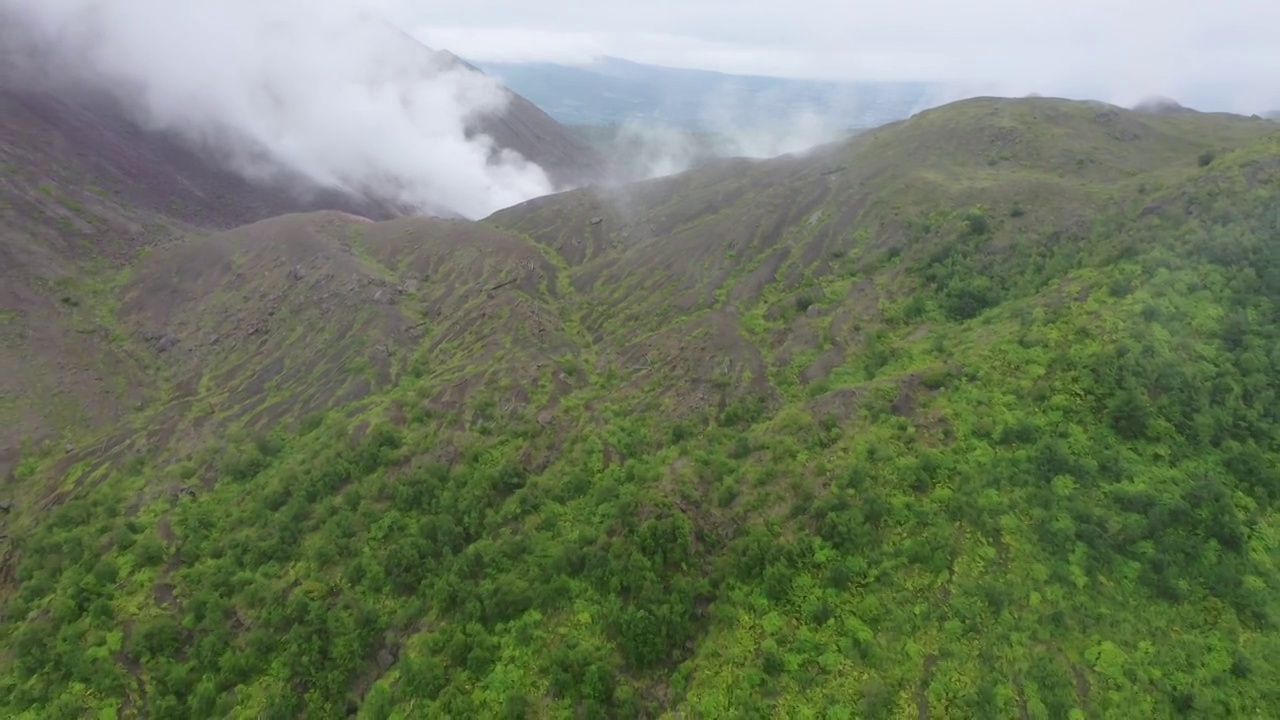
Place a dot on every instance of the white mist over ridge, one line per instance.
(325, 88)
(654, 150)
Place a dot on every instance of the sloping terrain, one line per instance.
(525, 128)
(748, 244)
(83, 188)
(84, 140)
(294, 314)
(973, 415)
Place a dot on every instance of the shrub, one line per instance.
(977, 222)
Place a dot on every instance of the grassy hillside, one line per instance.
(974, 415)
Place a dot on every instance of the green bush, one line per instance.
(976, 222)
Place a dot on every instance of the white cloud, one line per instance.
(327, 88)
(324, 87)
(1224, 51)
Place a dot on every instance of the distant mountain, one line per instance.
(616, 91)
(528, 129)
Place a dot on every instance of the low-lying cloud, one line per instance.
(651, 150)
(1212, 56)
(325, 88)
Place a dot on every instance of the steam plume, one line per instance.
(326, 88)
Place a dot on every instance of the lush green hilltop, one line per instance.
(974, 415)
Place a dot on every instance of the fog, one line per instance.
(332, 89)
(651, 150)
(1209, 55)
(327, 88)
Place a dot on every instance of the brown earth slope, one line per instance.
(84, 188)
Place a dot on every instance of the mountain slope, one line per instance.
(83, 187)
(524, 127)
(83, 190)
(756, 240)
(971, 416)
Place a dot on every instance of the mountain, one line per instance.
(98, 115)
(84, 185)
(524, 127)
(613, 90)
(971, 415)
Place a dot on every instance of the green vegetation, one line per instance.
(907, 453)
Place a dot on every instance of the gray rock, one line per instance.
(385, 660)
(296, 273)
(6, 505)
(597, 220)
(167, 343)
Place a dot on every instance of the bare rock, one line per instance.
(385, 660)
(167, 343)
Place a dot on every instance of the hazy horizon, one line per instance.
(1221, 55)
(339, 91)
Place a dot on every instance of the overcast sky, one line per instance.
(1120, 49)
